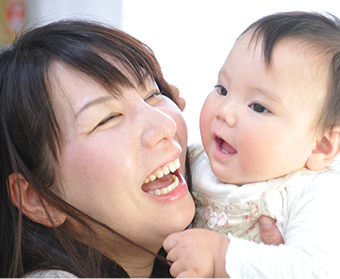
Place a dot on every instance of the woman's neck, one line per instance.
(140, 266)
(135, 260)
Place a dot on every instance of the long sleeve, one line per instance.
(51, 273)
(311, 233)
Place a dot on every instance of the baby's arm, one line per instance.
(201, 253)
(311, 248)
(197, 253)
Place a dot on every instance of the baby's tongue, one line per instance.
(227, 148)
(159, 183)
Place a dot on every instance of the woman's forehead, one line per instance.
(116, 74)
(77, 88)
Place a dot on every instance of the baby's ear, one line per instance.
(325, 150)
(22, 194)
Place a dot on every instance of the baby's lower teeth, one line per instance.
(224, 151)
(167, 189)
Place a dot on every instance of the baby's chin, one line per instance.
(232, 179)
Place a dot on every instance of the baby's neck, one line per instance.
(264, 180)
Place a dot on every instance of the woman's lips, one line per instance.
(162, 186)
(160, 189)
(164, 180)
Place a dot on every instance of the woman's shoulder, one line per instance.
(52, 273)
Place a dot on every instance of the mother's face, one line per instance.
(112, 146)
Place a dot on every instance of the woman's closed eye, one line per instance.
(221, 90)
(153, 94)
(154, 97)
(107, 119)
(259, 108)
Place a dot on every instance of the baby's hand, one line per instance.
(177, 98)
(197, 253)
(270, 234)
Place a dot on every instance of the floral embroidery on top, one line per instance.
(241, 219)
(239, 216)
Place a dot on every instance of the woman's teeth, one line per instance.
(167, 189)
(169, 168)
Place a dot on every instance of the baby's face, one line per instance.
(258, 123)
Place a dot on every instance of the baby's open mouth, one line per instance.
(225, 147)
(164, 180)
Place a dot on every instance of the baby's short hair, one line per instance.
(322, 31)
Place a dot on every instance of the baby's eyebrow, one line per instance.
(222, 73)
(95, 102)
(269, 93)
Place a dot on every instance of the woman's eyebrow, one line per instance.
(94, 103)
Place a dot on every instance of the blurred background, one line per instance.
(190, 38)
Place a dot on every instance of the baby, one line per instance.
(270, 131)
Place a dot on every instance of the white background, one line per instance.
(191, 38)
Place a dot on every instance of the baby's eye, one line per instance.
(221, 90)
(259, 108)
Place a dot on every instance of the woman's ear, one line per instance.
(325, 150)
(22, 194)
(178, 100)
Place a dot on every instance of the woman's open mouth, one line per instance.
(164, 180)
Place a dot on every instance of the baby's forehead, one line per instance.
(303, 57)
(300, 50)
(295, 52)
(294, 64)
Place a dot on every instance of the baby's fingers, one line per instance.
(170, 242)
(270, 234)
(178, 270)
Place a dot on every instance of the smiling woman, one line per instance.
(93, 155)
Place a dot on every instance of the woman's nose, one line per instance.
(227, 111)
(157, 126)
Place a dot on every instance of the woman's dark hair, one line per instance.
(31, 140)
(321, 31)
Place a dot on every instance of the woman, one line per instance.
(91, 145)
(92, 155)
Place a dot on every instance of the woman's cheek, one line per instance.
(171, 109)
(182, 132)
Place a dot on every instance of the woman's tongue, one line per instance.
(227, 148)
(159, 183)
